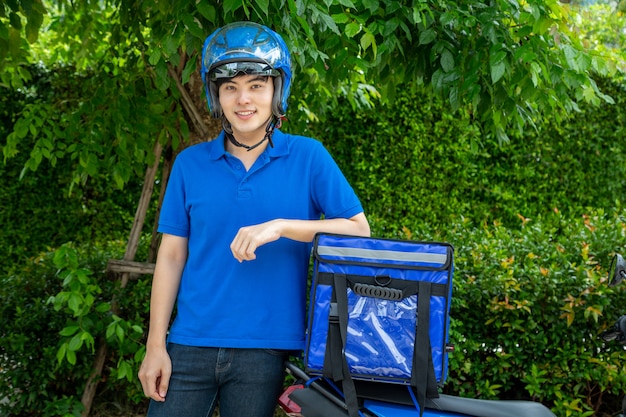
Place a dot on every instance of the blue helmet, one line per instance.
(246, 48)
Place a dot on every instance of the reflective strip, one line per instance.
(383, 255)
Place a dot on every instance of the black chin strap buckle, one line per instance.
(269, 129)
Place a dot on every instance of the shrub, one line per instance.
(56, 313)
(528, 308)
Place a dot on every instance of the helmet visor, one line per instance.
(233, 69)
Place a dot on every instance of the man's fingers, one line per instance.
(162, 385)
(250, 238)
(243, 246)
(155, 385)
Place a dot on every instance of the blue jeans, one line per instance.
(244, 382)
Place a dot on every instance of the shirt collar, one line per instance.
(279, 139)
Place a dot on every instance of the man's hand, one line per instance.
(154, 374)
(249, 238)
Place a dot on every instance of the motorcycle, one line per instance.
(312, 396)
(617, 333)
(317, 397)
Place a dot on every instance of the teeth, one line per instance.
(245, 113)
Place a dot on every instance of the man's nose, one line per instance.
(243, 96)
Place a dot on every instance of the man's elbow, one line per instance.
(361, 226)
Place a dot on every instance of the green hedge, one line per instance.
(528, 307)
(415, 165)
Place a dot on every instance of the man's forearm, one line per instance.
(305, 230)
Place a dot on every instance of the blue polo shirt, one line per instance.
(210, 195)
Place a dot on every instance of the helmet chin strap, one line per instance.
(272, 123)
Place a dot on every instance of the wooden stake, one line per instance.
(131, 249)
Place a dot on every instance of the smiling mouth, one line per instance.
(245, 113)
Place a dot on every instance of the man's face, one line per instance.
(247, 104)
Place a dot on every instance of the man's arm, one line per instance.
(249, 238)
(156, 368)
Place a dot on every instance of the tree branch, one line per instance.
(190, 108)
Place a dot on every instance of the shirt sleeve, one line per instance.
(174, 216)
(332, 193)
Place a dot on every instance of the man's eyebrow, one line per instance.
(258, 78)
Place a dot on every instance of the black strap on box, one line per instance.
(335, 363)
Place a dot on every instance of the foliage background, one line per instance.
(534, 220)
(415, 163)
(534, 224)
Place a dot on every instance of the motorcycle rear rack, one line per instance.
(321, 400)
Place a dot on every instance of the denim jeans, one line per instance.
(244, 382)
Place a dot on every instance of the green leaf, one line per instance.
(65, 257)
(535, 73)
(88, 339)
(15, 21)
(69, 330)
(427, 36)
(525, 53)
(119, 332)
(447, 18)
(83, 275)
(74, 303)
(264, 5)
(447, 60)
(577, 60)
(371, 5)
(417, 15)
(347, 3)
(32, 129)
(352, 29)
(329, 22)
(154, 57)
(496, 57)
(75, 343)
(190, 68)
(368, 40)
(454, 98)
(71, 356)
(61, 352)
(207, 10)
(341, 18)
(194, 26)
(110, 330)
(589, 95)
(497, 71)
(21, 128)
(124, 370)
(103, 307)
(140, 354)
(437, 80)
(231, 6)
(497, 64)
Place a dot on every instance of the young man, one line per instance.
(238, 219)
